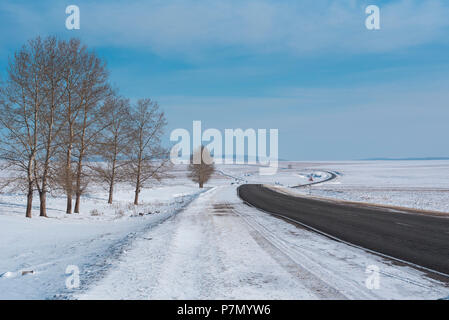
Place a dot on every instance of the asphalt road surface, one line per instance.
(420, 239)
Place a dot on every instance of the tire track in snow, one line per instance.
(307, 257)
(205, 252)
(280, 252)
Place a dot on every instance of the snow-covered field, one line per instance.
(91, 240)
(414, 184)
(206, 244)
(219, 248)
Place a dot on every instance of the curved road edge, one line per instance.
(332, 176)
(418, 240)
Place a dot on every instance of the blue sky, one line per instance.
(335, 90)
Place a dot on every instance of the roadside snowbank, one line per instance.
(89, 240)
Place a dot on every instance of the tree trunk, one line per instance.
(43, 196)
(80, 166)
(77, 202)
(43, 203)
(29, 199)
(43, 191)
(78, 187)
(111, 183)
(69, 204)
(30, 187)
(111, 191)
(69, 180)
(136, 197)
(201, 184)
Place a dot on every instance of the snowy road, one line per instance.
(204, 252)
(219, 248)
(410, 236)
(210, 248)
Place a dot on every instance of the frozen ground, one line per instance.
(203, 245)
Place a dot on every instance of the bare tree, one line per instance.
(58, 178)
(22, 100)
(113, 143)
(147, 160)
(84, 79)
(201, 166)
(71, 109)
(50, 121)
(93, 90)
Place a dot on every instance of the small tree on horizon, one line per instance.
(201, 166)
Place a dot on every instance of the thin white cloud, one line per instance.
(399, 119)
(198, 29)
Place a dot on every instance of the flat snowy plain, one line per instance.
(414, 184)
(207, 244)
